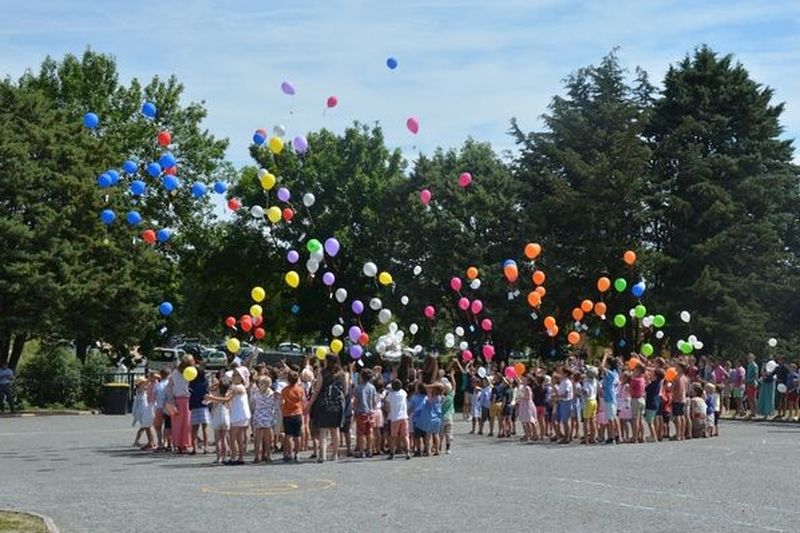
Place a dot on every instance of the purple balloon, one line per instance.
(356, 351)
(328, 279)
(283, 194)
(354, 333)
(300, 144)
(357, 306)
(293, 257)
(287, 87)
(331, 246)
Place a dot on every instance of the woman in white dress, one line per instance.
(239, 414)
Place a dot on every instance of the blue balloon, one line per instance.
(138, 187)
(163, 235)
(220, 187)
(90, 120)
(107, 216)
(104, 181)
(165, 308)
(167, 160)
(170, 182)
(198, 189)
(509, 262)
(154, 169)
(133, 218)
(259, 139)
(295, 309)
(129, 167)
(622, 343)
(391, 63)
(638, 289)
(114, 176)
(149, 109)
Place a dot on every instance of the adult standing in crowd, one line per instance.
(6, 387)
(751, 383)
(181, 417)
(327, 405)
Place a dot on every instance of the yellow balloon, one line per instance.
(274, 214)
(189, 373)
(292, 279)
(268, 181)
(336, 346)
(256, 310)
(385, 278)
(321, 352)
(233, 345)
(276, 145)
(258, 294)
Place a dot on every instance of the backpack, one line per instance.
(332, 400)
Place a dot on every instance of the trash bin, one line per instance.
(115, 398)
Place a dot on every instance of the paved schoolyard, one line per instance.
(83, 472)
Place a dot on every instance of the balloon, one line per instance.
(165, 308)
(463, 303)
(284, 195)
(638, 289)
(417, 270)
(647, 349)
(466, 355)
(230, 322)
(464, 179)
(164, 138)
(279, 130)
(133, 218)
(553, 332)
(267, 181)
(620, 321)
(107, 216)
(600, 309)
(549, 322)
(476, 307)
(336, 346)
(686, 348)
(620, 284)
(198, 189)
(472, 273)
(91, 120)
(455, 284)
(404, 300)
(384, 316)
(385, 279)
(274, 214)
(256, 310)
(356, 351)
(425, 196)
(258, 320)
(463, 345)
(685, 316)
(659, 321)
(149, 236)
(782, 388)
(771, 366)
(632, 312)
(370, 269)
(511, 272)
(532, 250)
(659, 334)
(287, 87)
(538, 277)
(129, 167)
(541, 291)
(328, 279)
(170, 183)
(167, 160)
(257, 211)
(276, 145)
(292, 257)
(375, 304)
(773, 342)
(391, 63)
(429, 311)
(259, 333)
(413, 125)
(647, 321)
(534, 300)
(341, 295)
(475, 284)
(220, 187)
(488, 352)
(603, 284)
(332, 101)
(629, 257)
(354, 333)
(357, 307)
(312, 266)
(309, 199)
(573, 337)
(189, 373)
(393, 328)
(153, 169)
(633, 363)
(292, 279)
(300, 144)
(486, 324)
(313, 245)
(246, 322)
(149, 109)
(670, 374)
(586, 306)
(104, 181)
(171, 171)
(234, 204)
(510, 372)
(259, 137)
(640, 311)
(577, 314)
(233, 345)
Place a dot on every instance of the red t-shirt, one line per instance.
(636, 387)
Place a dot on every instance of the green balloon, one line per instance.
(686, 348)
(647, 349)
(620, 284)
(640, 311)
(659, 321)
(620, 321)
(314, 245)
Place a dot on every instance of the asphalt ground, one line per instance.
(83, 472)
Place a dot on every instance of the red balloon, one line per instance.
(259, 333)
(234, 204)
(363, 339)
(257, 321)
(332, 101)
(149, 236)
(288, 214)
(230, 322)
(171, 171)
(246, 322)
(164, 138)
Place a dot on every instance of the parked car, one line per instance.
(214, 358)
(164, 357)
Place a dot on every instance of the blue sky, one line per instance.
(466, 67)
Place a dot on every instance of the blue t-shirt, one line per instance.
(365, 394)
(486, 397)
(709, 404)
(415, 406)
(610, 383)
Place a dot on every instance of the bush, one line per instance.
(52, 375)
(93, 374)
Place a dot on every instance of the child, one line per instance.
(266, 403)
(566, 398)
(448, 412)
(505, 394)
(589, 393)
(415, 407)
(236, 396)
(378, 422)
(625, 410)
(712, 411)
(292, 398)
(162, 421)
(221, 424)
(475, 405)
(364, 403)
(538, 396)
(665, 410)
(652, 403)
(144, 411)
(638, 403)
(430, 420)
(698, 412)
(485, 402)
(398, 418)
(526, 412)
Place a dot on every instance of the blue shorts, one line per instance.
(564, 411)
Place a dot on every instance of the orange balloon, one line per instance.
(541, 291)
(519, 368)
(600, 309)
(553, 331)
(534, 300)
(633, 363)
(586, 306)
(472, 273)
(549, 322)
(577, 314)
(532, 250)
(538, 277)
(603, 284)
(574, 337)
(670, 374)
(629, 257)
(511, 273)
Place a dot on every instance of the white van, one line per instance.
(164, 357)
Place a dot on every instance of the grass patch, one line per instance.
(11, 522)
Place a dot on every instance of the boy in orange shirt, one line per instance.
(292, 409)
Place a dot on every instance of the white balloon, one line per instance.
(393, 328)
(279, 130)
(404, 300)
(685, 316)
(463, 345)
(262, 172)
(771, 366)
(341, 295)
(413, 328)
(370, 269)
(659, 334)
(337, 330)
(460, 331)
(481, 372)
(312, 266)
(647, 321)
(475, 284)
(449, 336)
(399, 336)
(318, 255)
(692, 339)
(698, 345)
(632, 313)
(375, 304)
(773, 342)
(679, 344)
(417, 270)
(782, 388)
(380, 347)
(449, 343)
(257, 211)
(417, 349)
(309, 199)
(384, 316)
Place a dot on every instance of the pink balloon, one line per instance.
(332, 101)
(477, 307)
(486, 324)
(425, 196)
(510, 372)
(463, 304)
(455, 284)
(413, 125)
(488, 352)
(466, 355)
(429, 311)
(464, 179)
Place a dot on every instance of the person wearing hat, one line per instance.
(143, 411)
